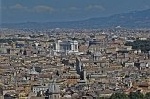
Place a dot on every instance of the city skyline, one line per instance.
(16, 11)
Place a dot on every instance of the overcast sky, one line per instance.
(65, 10)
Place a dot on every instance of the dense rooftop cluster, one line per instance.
(73, 64)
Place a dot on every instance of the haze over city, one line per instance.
(14, 11)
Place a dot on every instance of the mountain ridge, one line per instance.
(134, 19)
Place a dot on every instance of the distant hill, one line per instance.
(136, 19)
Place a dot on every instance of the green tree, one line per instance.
(119, 96)
(144, 45)
(147, 95)
(103, 98)
(136, 95)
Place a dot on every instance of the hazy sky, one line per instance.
(65, 10)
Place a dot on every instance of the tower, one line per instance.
(54, 91)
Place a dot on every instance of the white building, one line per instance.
(36, 89)
(70, 46)
(53, 90)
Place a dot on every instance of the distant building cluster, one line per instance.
(73, 64)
